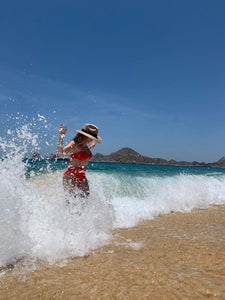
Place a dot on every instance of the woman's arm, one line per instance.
(93, 143)
(69, 147)
(60, 149)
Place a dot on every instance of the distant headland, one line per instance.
(128, 155)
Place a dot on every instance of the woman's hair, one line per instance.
(80, 138)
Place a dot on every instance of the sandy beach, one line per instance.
(175, 256)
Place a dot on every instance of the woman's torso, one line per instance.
(80, 156)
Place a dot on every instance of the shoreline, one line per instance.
(174, 256)
(186, 164)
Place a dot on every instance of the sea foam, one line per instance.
(135, 199)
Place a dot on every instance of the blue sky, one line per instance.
(150, 74)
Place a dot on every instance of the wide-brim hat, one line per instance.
(90, 131)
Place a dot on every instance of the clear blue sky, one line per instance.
(150, 74)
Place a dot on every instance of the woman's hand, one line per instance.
(93, 143)
(62, 129)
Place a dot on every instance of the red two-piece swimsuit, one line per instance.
(78, 172)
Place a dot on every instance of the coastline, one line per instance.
(174, 256)
(128, 155)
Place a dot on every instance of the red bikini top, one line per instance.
(82, 155)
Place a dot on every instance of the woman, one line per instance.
(74, 179)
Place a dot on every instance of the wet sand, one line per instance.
(175, 256)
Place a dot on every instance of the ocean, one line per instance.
(36, 223)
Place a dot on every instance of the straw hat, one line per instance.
(90, 131)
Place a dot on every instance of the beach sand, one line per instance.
(175, 256)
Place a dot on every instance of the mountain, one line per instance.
(220, 163)
(128, 155)
(52, 156)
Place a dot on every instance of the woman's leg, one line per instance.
(84, 188)
(75, 188)
(69, 184)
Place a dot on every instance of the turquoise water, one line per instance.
(39, 167)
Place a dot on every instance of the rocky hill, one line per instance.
(36, 156)
(128, 155)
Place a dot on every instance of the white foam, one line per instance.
(143, 198)
(59, 230)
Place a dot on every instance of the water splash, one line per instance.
(35, 220)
